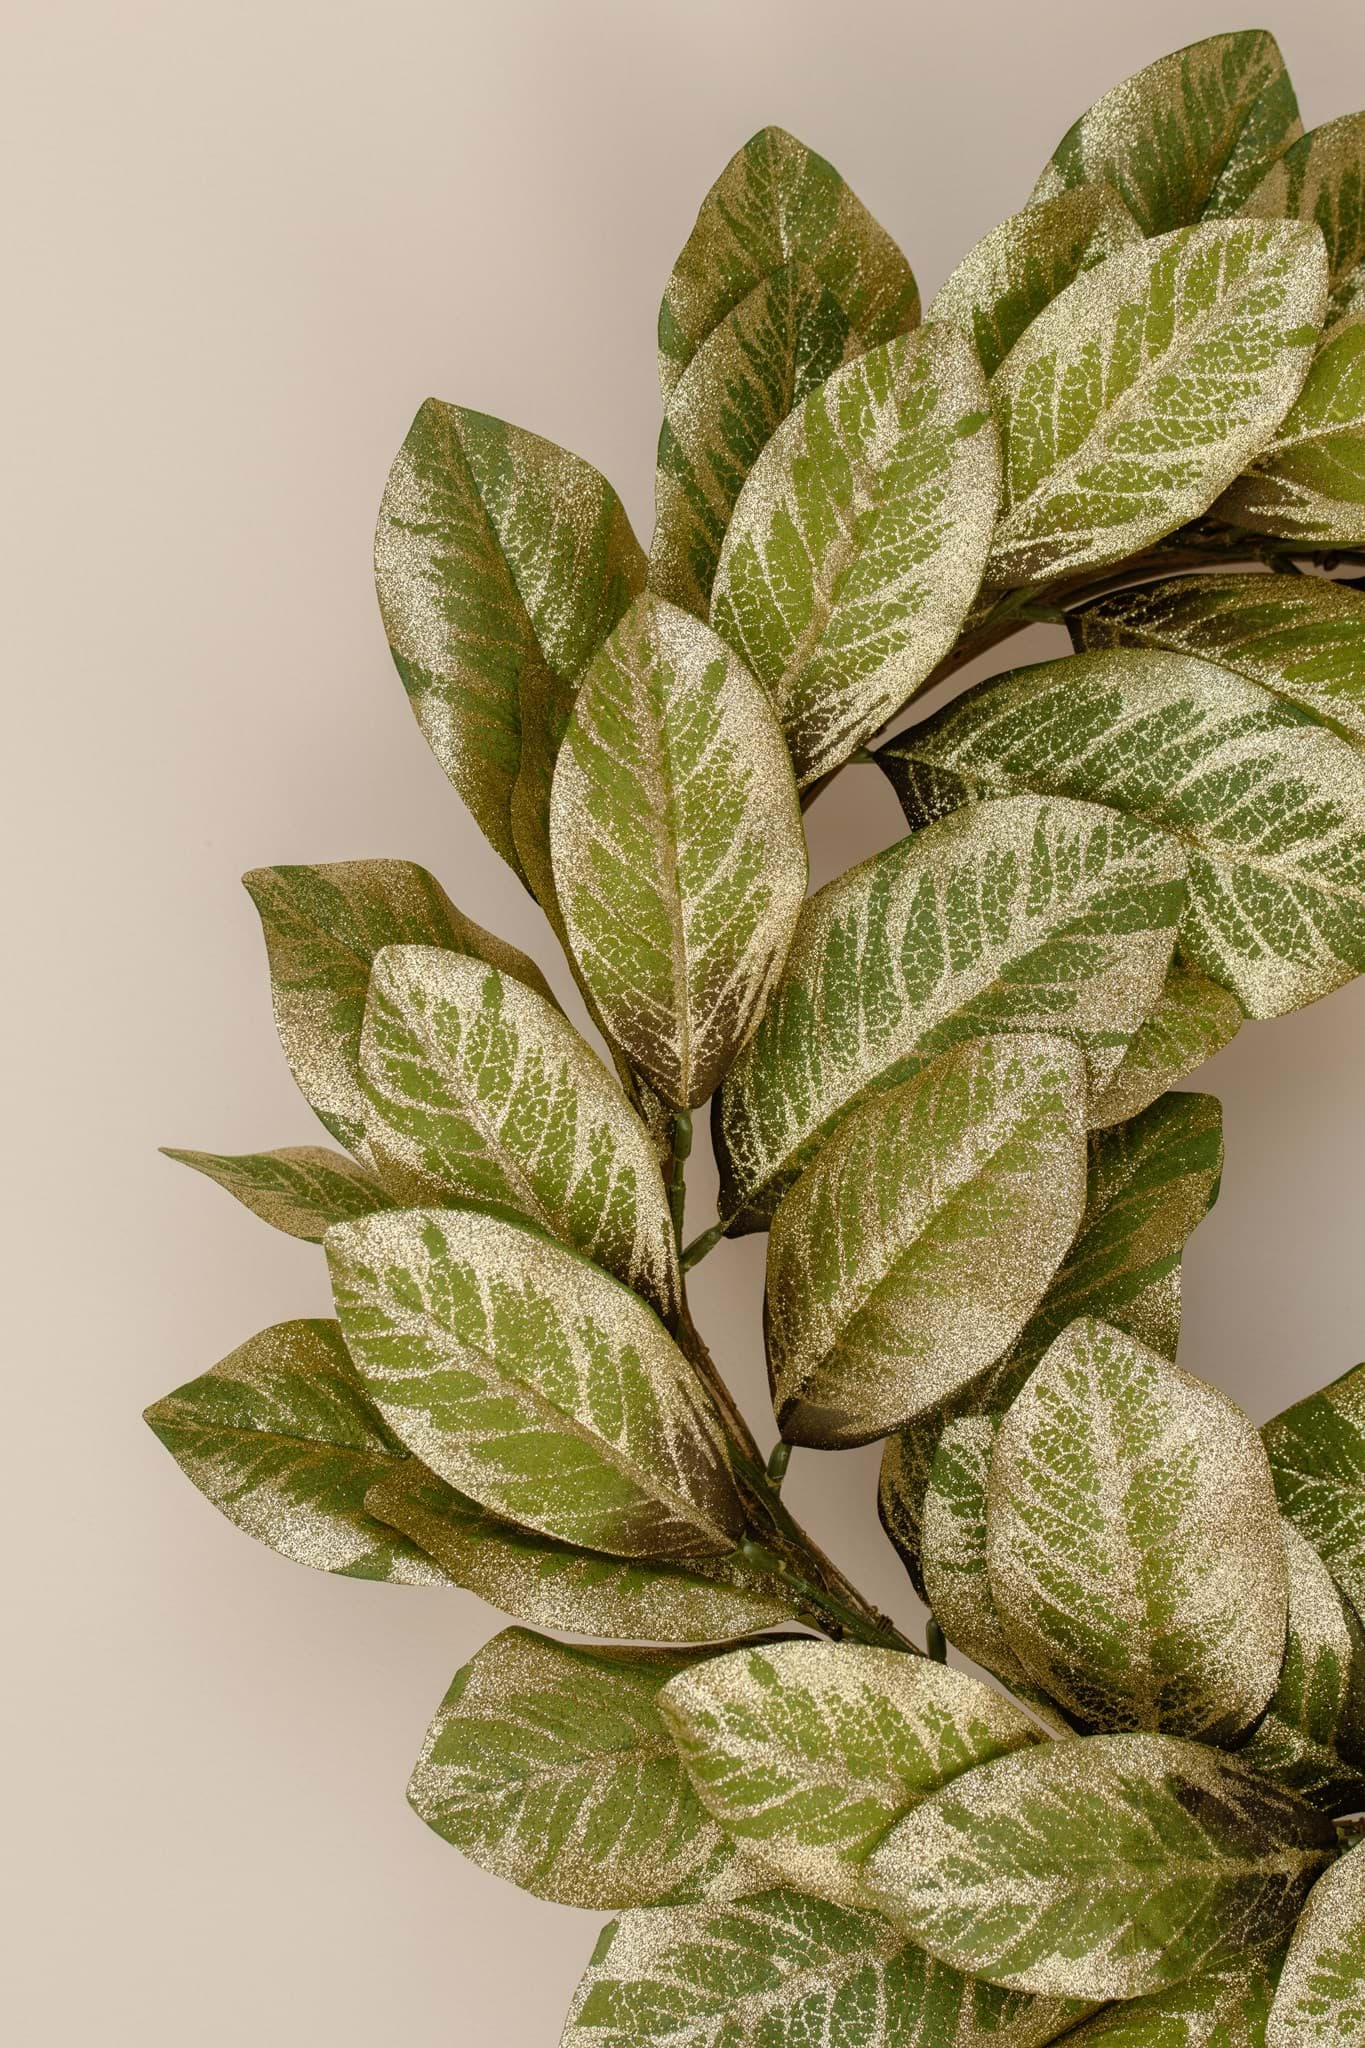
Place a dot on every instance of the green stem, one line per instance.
(778, 1460)
(677, 1185)
(822, 1606)
(694, 1253)
(935, 1641)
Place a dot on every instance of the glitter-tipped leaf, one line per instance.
(301, 1189)
(1309, 483)
(1317, 1454)
(1311, 1737)
(1321, 178)
(1320, 1998)
(1193, 1019)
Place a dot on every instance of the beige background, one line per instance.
(247, 238)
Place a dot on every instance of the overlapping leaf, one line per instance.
(1302, 637)
(1193, 1019)
(807, 1752)
(280, 1437)
(1321, 178)
(856, 545)
(679, 855)
(1134, 1543)
(1269, 807)
(534, 1383)
(502, 562)
(1320, 2000)
(1003, 284)
(534, 1579)
(1025, 915)
(1317, 1454)
(301, 1189)
(1187, 138)
(1225, 2010)
(323, 927)
(1312, 1735)
(780, 1969)
(916, 1245)
(478, 1090)
(1309, 483)
(1102, 1867)
(1144, 388)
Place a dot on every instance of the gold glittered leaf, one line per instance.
(1311, 1737)
(1320, 1999)
(301, 1189)
(1321, 178)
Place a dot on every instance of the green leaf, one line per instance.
(1317, 1454)
(1320, 2002)
(858, 541)
(1309, 483)
(323, 927)
(502, 563)
(480, 1091)
(1103, 1866)
(1193, 1019)
(1146, 387)
(807, 1752)
(778, 1969)
(1312, 1735)
(534, 1383)
(1302, 637)
(1268, 807)
(678, 848)
(1321, 178)
(282, 1440)
(921, 1238)
(549, 1764)
(777, 202)
(1134, 1543)
(1018, 916)
(1150, 1182)
(1226, 2010)
(302, 1189)
(553, 1585)
(1187, 138)
(1002, 285)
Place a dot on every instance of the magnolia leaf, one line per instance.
(502, 562)
(807, 1752)
(282, 1440)
(678, 848)
(1187, 138)
(1150, 1182)
(1002, 285)
(780, 1969)
(857, 543)
(1018, 916)
(302, 1189)
(1146, 387)
(1311, 1737)
(1321, 178)
(1103, 1866)
(918, 1242)
(323, 927)
(1134, 1543)
(552, 1585)
(1194, 1018)
(1317, 1454)
(1268, 807)
(549, 1764)
(1226, 2010)
(1309, 484)
(1302, 637)
(1320, 2002)
(479, 1090)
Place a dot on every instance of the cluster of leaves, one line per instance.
(943, 1085)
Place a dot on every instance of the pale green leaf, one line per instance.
(921, 1238)
(1193, 1019)
(779, 1969)
(857, 543)
(280, 1437)
(1134, 1543)
(549, 1764)
(1024, 915)
(777, 202)
(301, 1189)
(534, 1579)
(807, 1752)
(534, 1382)
(1321, 178)
(1320, 2002)
(323, 927)
(1309, 484)
(1317, 1453)
(1102, 1866)
(1302, 637)
(1002, 285)
(480, 1091)
(502, 562)
(1187, 138)
(679, 853)
(1226, 2010)
(1312, 1735)
(1146, 387)
(1268, 807)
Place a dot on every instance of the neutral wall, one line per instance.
(247, 240)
